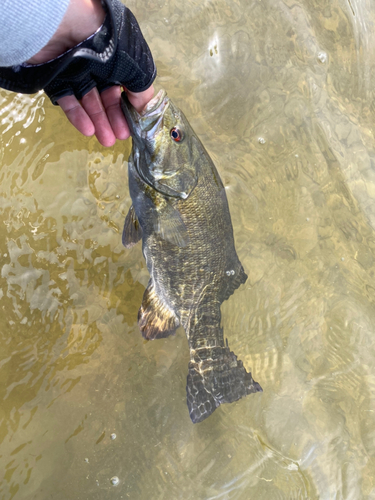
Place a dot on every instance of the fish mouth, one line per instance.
(145, 124)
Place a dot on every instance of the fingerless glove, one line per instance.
(117, 54)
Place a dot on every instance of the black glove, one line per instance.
(117, 54)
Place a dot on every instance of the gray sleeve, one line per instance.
(26, 26)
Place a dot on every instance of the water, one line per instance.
(281, 94)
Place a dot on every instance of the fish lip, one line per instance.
(145, 123)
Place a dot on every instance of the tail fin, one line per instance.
(216, 379)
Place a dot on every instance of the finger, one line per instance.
(140, 99)
(93, 106)
(111, 99)
(77, 115)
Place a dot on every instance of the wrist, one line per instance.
(82, 19)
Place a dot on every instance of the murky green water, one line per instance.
(282, 95)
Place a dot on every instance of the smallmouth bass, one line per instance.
(180, 211)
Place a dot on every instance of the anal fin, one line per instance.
(132, 232)
(155, 319)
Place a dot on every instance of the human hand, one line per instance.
(95, 113)
(101, 114)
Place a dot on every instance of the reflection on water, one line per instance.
(281, 93)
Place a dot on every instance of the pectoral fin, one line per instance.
(155, 319)
(132, 232)
(169, 224)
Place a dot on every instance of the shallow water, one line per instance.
(281, 94)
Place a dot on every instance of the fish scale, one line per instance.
(181, 213)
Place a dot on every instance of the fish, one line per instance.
(180, 212)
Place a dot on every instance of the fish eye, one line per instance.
(176, 134)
